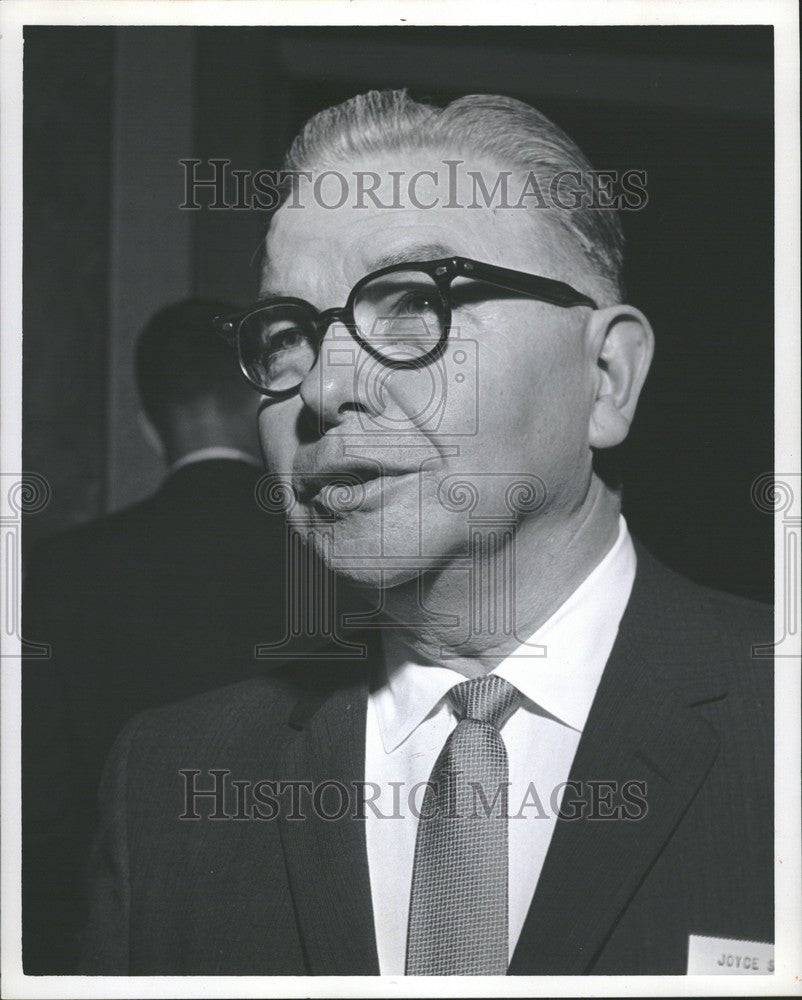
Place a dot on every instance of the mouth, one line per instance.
(347, 488)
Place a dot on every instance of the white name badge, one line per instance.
(729, 957)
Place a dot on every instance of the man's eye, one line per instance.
(416, 304)
(286, 340)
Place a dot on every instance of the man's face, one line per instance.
(507, 403)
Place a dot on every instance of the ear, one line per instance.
(151, 435)
(622, 345)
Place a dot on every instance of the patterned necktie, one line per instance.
(458, 908)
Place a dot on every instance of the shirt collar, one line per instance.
(557, 670)
(217, 451)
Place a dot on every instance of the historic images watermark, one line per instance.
(781, 494)
(216, 185)
(21, 493)
(217, 796)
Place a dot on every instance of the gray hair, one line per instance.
(503, 129)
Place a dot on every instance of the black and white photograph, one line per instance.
(400, 499)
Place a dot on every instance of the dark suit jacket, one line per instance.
(682, 705)
(146, 606)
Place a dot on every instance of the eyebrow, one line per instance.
(267, 296)
(412, 254)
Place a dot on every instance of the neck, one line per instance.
(516, 582)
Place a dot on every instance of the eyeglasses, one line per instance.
(400, 315)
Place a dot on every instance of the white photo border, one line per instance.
(783, 15)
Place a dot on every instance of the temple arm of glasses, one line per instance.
(547, 289)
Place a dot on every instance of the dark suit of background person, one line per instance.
(143, 607)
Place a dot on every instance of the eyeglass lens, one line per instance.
(401, 315)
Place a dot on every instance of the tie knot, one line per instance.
(488, 699)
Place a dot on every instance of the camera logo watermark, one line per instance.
(446, 387)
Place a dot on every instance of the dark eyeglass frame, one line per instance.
(443, 272)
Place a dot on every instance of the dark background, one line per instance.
(108, 113)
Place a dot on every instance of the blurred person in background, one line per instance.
(142, 607)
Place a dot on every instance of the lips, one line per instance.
(351, 476)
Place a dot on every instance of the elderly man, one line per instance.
(553, 754)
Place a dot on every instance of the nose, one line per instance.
(339, 382)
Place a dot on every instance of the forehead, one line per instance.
(318, 252)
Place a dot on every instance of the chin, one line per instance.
(375, 577)
(367, 551)
(364, 556)
(383, 547)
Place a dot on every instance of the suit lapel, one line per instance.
(327, 859)
(642, 727)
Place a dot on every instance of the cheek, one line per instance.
(533, 395)
(277, 436)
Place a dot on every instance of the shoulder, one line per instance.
(738, 617)
(744, 634)
(690, 607)
(247, 722)
(229, 729)
(267, 699)
(710, 638)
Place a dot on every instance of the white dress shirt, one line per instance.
(214, 452)
(408, 721)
